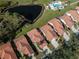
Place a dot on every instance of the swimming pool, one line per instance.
(56, 5)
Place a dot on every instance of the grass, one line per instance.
(72, 1)
(30, 1)
(47, 16)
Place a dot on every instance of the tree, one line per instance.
(9, 24)
(68, 50)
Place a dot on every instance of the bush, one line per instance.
(78, 4)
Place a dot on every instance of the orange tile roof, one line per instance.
(49, 32)
(23, 45)
(57, 25)
(77, 8)
(35, 36)
(74, 14)
(6, 52)
(68, 20)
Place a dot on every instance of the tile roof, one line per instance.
(36, 37)
(74, 14)
(49, 32)
(77, 8)
(68, 20)
(23, 45)
(6, 52)
(57, 26)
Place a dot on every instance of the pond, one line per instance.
(30, 12)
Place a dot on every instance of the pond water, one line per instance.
(30, 12)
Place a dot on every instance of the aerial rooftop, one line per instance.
(49, 32)
(77, 8)
(36, 37)
(67, 20)
(6, 52)
(57, 26)
(23, 46)
(74, 14)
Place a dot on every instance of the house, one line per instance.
(38, 40)
(50, 35)
(67, 20)
(74, 15)
(7, 52)
(57, 25)
(77, 9)
(23, 46)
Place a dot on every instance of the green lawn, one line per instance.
(47, 15)
(30, 1)
(72, 0)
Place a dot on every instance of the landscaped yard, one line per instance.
(30, 1)
(40, 1)
(47, 15)
(72, 0)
